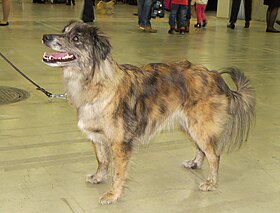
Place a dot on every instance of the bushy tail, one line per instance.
(241, 111)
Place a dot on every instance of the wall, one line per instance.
(258, 9)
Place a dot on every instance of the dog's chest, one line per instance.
(90, 121)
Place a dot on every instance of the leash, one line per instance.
(38, 87)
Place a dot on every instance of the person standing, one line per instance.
(144, 15)
(271, 14)
(200, 13)
(234, 13)
(88, 11)
(6, 12)
(179, 10)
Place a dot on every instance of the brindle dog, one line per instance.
(118, 105)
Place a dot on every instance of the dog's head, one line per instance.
(79, 44)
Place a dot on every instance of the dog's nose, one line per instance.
(47, 37)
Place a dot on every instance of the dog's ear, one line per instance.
(68, 26)
(102, 46)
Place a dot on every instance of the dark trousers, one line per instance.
(235, 9)
(88, 12)
(69, 2)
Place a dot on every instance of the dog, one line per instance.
(105, 8)
(120, 104)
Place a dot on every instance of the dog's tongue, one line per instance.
(58, 55)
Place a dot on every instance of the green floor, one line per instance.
(44, 158)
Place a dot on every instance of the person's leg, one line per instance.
(198, 13)
(144, 12)
(140, 4)
(248, 12)
(6, 11)
(234, 10)
(271, 15)
(173, 15)
(203, 15)
(173, 18)
(183, 12)
(88, 12)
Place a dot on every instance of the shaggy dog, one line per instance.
(118, 105)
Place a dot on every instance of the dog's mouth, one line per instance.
(58, 57)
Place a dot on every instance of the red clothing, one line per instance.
(182, 2)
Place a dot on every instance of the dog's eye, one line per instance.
(75, 38)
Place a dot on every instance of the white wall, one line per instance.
(258, 9)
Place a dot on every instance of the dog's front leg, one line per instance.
(102, 152)
(121, 153)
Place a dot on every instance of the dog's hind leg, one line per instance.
(197, 162)
(205, 134)
(102, 152)
(213, 160)
(121, 153)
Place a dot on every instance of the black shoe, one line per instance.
(272, 31)
(278, 22)
(204, 23)
(171, 31)
(4, 24)
(231, 25)
(247, 24)
(197, 25)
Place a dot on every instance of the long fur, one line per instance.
(118, 105)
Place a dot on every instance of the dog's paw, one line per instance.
(207, 186)
(190, 164)
(108, 198)
(95, 179)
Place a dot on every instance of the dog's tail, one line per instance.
(241, 111)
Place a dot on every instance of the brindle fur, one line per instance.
(120, 104)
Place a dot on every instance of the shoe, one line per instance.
(4, 24)
(149, 29)
(247, 24)
(278, 22)
(182, 32)
(197, 25)
(231, 25)
(187, 29)
(272, 31)
(141, 27)
(204, 23)
(171, 31)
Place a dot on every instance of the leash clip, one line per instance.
(58, 96)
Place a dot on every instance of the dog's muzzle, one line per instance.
(60, 56)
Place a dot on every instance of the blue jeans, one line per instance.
(178, 13)
(144, 12)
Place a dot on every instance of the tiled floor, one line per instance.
(44, 157)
